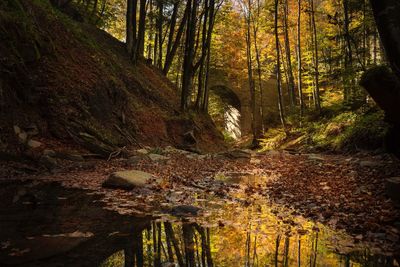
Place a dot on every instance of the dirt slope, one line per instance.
(68, 83)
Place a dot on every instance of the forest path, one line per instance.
(341, 192)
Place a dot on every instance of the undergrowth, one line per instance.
(346, 131)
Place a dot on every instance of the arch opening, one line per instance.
(224, 108)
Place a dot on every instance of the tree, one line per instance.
(278, 66)
(386, 14)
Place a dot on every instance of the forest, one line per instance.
(199, 133)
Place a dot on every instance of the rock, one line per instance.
(134, 160)
(196, 156)
(392, 187)
(173, 150)
(17, 130)
(33, 144)
(158, 158)
(369, 164)
(185, 210)
(189, 138)
(22, 137)
(129, 179)
(315, 157)
(142, 151)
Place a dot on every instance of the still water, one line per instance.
(69, 227)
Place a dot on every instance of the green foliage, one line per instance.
(367, 132)
(345, 131)
(273, 139)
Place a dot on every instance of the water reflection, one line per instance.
(189, 244)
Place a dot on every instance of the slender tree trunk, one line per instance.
(187, 76)
(171, 53)
(204, 49)
(299, 61)
(255, 30)
(316, 59)
(159, 33)
(278, 67)
(131, 25)
(139, 45)
(291, 84)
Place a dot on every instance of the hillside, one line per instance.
(69, 84)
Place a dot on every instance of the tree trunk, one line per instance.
(291, 84)
(386, 14)
(278, 67)
(187, 76)
(171, 53)
(299, 70)
(316, 59)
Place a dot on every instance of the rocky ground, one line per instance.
(342, 191)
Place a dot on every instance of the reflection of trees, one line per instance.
(187, 245)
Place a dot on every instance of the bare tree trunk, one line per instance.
(291, 85)
(278, 67)
(131, 25)
(386, 14)
(299, 65)
(171, 52)
(159, 33)
(316, 59)
(187, 76)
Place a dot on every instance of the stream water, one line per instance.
(47, 225)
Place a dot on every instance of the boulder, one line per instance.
(393, 188)
(158, 157)
(129, 179)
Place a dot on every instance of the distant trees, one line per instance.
(323, 46)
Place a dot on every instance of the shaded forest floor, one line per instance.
(343, 192)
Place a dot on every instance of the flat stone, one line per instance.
(392, 187)
(174, 150)
(196, 156)
(34, 144)
(315, 157)
(129, 179)
(369, 164)
(158, 158)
